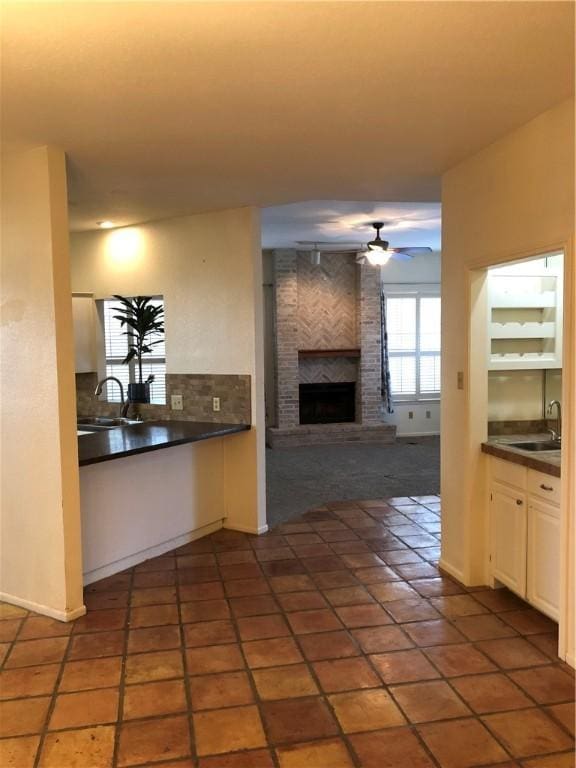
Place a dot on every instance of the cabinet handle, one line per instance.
(546, 487)
(519, 502)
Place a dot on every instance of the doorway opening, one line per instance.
(352, 356)
(524, 410)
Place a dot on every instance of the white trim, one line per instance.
(451, 570)
(247, 529)
(45, 610)
(159, 549)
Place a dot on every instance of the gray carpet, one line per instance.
(300, 478)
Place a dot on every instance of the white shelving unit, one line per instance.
(525, 315)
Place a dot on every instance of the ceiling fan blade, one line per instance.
(330, 243)
(414, 250)
(401, 256)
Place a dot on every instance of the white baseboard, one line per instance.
(451, 570)
(146, 554)
(246, 528)
(45, 610)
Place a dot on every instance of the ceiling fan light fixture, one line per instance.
(378, 244)
(378, 257)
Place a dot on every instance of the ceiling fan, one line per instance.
(376, 252)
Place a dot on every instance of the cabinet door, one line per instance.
(508, 537)
(544, 557)
(84, 333)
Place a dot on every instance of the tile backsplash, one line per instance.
(197, 391)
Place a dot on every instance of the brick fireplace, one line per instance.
(327, 333)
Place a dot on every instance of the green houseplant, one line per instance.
(143, 322)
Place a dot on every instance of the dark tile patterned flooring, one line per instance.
(330, 642)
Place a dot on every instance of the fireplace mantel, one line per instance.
(310, 353)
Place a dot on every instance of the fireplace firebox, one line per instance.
(327, 403)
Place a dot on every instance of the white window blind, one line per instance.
(116, 347)
(413, 324)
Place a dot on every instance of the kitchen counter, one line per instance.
(548, 461)
(110, 444)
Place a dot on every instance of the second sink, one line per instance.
(537, 445)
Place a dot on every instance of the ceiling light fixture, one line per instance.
(378, 253)
(377, 258)
(377, 244)
(106, 224)
(315, 256)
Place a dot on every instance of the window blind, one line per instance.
(413, 325)
(116, 348)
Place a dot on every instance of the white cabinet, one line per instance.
(543, 575)
(508, 526)
(525, 533)
(525, 315)
(84, 319)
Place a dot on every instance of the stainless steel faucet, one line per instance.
(556, 433)
(124, 404)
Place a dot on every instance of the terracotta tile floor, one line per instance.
(332, 641)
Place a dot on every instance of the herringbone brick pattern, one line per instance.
(327, 302)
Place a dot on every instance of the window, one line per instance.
(116, 346)
(413, 324)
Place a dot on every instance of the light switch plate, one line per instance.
(176, 402)
(215, 403)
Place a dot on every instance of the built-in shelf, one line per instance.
(308, 353)
(523, 330)
(525, 317)
(508, 300)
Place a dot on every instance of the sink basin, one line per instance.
(97, 423)
(537, 445)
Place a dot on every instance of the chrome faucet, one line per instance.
(124, 404)
(556, 433)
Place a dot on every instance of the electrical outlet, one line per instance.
(176, 403)
(410, 414)
(215, 403)
(427, 414)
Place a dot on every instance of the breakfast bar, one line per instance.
(148, 488)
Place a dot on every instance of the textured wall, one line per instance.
(286, 323)
(327, 302)
(197, 391)
(328, 369)
(332, 306)
(523, 185)
(40, 557)
(370, 332)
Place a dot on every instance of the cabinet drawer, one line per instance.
(509, 473)
(545, 486)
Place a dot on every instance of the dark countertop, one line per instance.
(548, 462)
(110, 444)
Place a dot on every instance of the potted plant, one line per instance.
(144, 323)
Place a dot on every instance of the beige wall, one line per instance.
(515, 395)
(512, 199)
(521, 394)
(208, 267)
(40, 517)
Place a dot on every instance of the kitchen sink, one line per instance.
(537, 445)
(97, 423)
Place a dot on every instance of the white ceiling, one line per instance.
(337, 224)
(170, 108)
